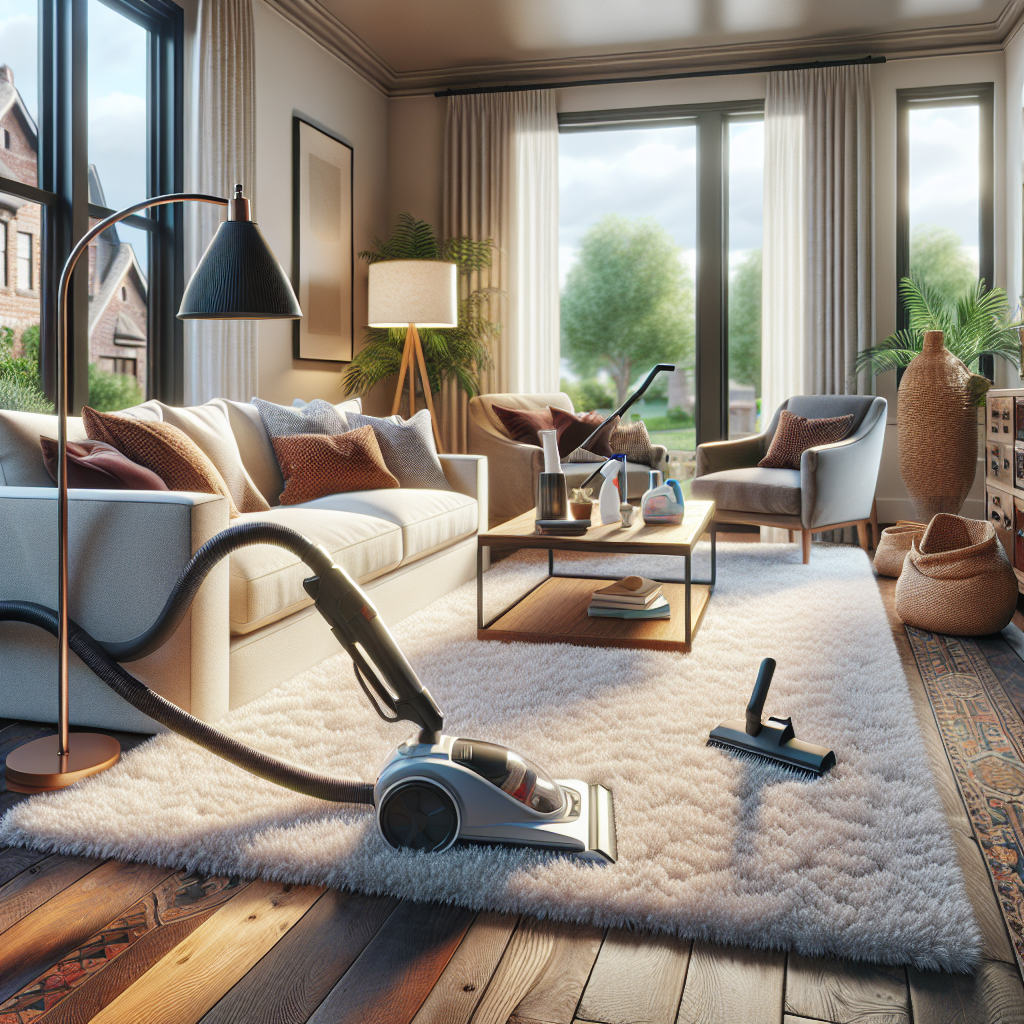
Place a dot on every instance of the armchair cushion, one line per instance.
(795, 434)
(574, 428)
(754, 489)
(524, 425)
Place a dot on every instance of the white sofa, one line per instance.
(251, 625)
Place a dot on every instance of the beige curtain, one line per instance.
(818, 286)
(501, 182)
(222, 356)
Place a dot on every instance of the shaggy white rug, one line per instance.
(859, 863)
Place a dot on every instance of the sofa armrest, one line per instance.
(717, 456)
(468, 475)
(837, 481)
(658, 455)
(126, 548)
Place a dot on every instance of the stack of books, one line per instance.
(562, 527)
(633, 597)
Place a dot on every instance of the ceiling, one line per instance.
(412, 45)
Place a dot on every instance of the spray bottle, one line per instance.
(608, 499)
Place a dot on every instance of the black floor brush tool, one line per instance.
(774, 739)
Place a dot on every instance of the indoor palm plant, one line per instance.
(451, 354)
(936, 412)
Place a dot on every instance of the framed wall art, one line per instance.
(322, 243)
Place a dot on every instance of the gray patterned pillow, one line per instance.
(319, 417)
(407, 447)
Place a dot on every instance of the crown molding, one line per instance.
(326, 29)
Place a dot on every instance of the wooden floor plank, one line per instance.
(291, 981)
(637, 977)
(726, 985)
(14, 860)
(396, 971)
(542, 974)
(846, 992)
(65, 921)
(39, 883)
(192, 976)
(90, 977)
(455, 996)
(994, 995)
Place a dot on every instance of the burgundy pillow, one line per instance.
(523, 424)
(574, 428)
(100, 466)
(795, 434)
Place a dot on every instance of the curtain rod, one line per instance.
(764, 69)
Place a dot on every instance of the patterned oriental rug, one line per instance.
(976, 690)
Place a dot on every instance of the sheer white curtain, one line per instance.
(818, 285)
(501, 182)
(221, 356)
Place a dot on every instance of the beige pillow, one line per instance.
(209, 427)
(255, 448)
(21, 458)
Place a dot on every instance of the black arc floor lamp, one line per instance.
(238, 278)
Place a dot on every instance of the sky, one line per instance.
(117, 96)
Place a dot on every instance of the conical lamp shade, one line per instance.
(239, 278)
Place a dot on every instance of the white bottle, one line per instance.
(608, 499)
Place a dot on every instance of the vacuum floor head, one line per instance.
(775, 742)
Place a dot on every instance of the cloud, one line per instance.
(19, 47)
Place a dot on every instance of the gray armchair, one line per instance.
(834, 486)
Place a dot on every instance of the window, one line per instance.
(649, 257)
(120, 364)
(96, 125)
(24, 261)
(944, 198)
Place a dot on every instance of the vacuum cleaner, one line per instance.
(773, 740)
(431, 790)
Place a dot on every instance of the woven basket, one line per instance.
(938, 430)
(957, 580)
(893, 546)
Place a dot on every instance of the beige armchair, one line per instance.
(834, 486)
(514, 466)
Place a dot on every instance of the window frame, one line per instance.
(982, 95)
(62, 188)
(711, 278)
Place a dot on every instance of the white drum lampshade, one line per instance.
(420, 292)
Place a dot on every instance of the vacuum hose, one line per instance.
(103, 659)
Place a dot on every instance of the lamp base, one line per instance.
(37, 767)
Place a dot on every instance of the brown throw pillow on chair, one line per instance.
(795, 434)
(574, 428)
(317, 464)
(100, 466)
(165, 449)
(523, 424)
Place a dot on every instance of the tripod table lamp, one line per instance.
(238, 278)
(411, 294)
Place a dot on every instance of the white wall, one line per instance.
(294, 75)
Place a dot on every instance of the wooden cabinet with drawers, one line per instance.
(1004, 472)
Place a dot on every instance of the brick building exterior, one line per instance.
(117, 284)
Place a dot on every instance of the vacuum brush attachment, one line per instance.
(773, 740)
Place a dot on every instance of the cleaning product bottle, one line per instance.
(662, 503)
(608, 499)
(552, 502)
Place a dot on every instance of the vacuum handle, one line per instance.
(759, 695)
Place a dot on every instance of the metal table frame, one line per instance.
(626, 549)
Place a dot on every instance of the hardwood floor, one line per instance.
(89, 940)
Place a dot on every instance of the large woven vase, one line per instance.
(938, 430)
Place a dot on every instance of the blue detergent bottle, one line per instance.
(662, 503)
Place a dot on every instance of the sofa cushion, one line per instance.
(753, 489)
(266, 581)
(21, 458)
(408, 448)
(254, 447)
(317, 464)
(428, 519)
(208, 425)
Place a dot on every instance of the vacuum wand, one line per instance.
(774, 739)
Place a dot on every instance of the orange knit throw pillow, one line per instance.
(165, 449)
(317, 464)
(795, 434)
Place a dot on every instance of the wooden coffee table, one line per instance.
(555, 610)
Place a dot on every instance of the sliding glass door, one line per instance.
(659, 261)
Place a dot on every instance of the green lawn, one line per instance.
(684, 439)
